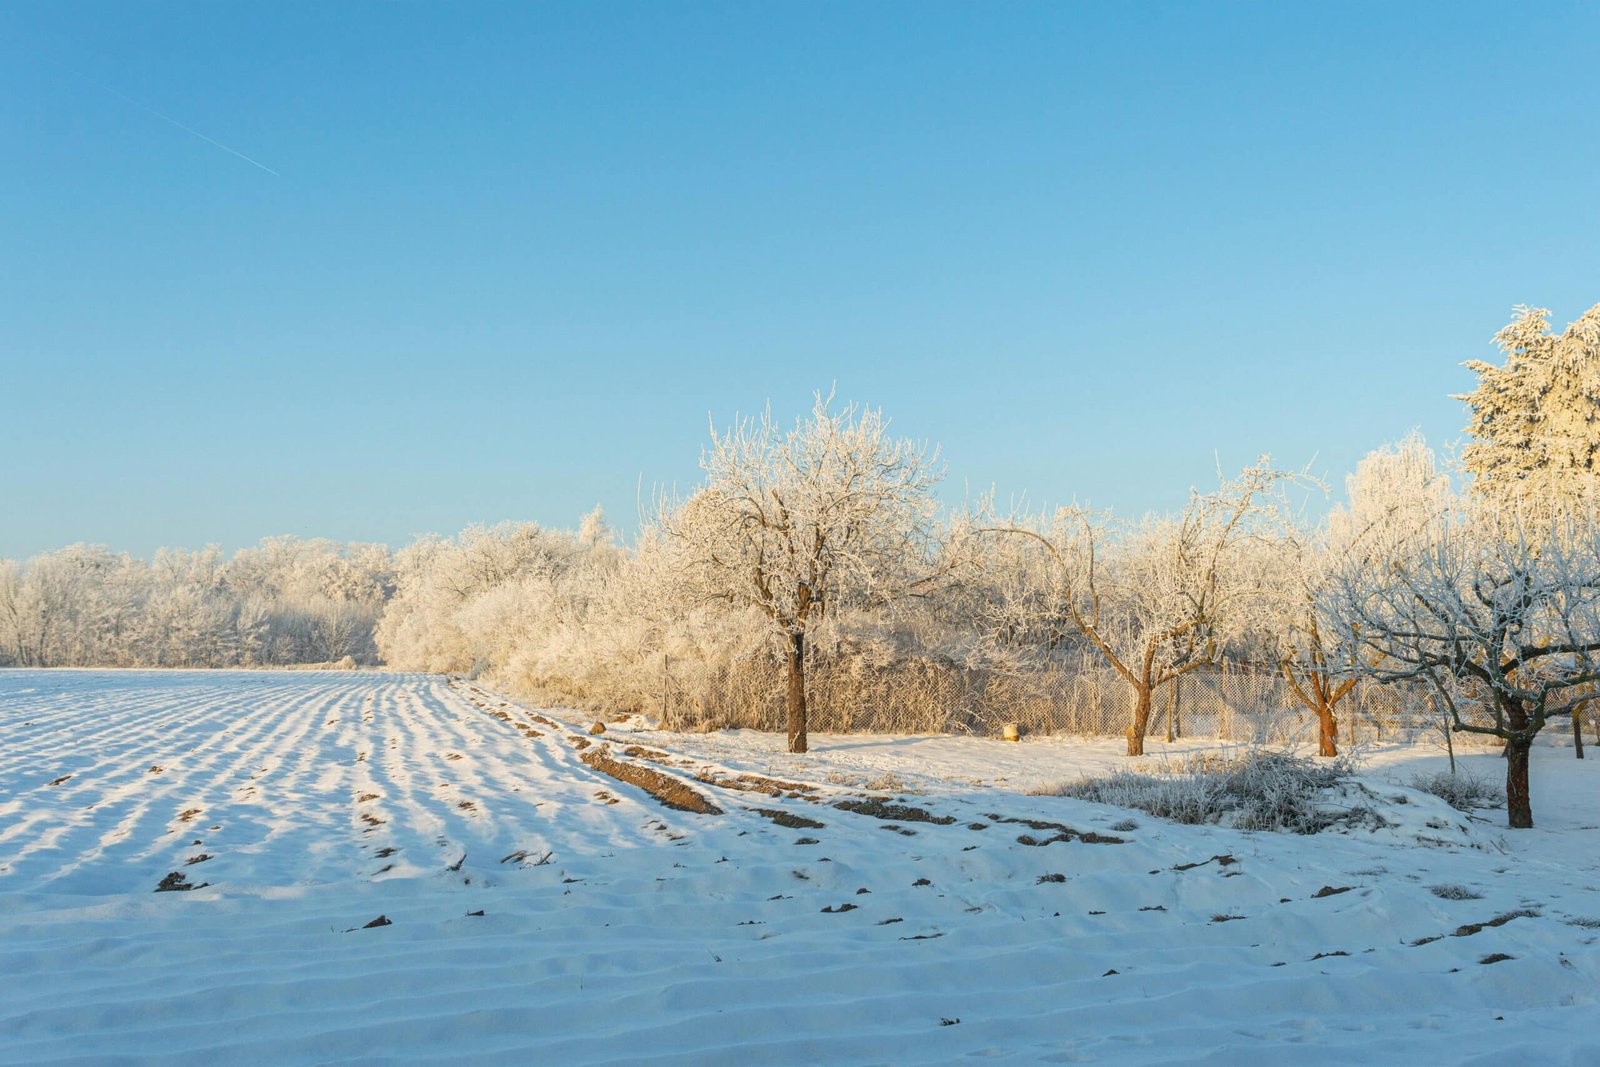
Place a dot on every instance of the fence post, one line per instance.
(1356, 714)
(1225, 711)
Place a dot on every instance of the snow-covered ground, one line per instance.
(539, 911)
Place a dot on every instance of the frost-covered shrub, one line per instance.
(1464, 792)
(1255, 790)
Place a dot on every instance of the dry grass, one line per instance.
(1461, 791)
(928, 694)
(1257, 789)
(1454, 892)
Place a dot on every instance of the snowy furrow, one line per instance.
(323, 800)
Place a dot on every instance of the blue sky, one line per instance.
(514, 256)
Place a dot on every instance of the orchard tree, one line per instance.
(799, 523)
(1536, 419)
(1475, 609)
(1159, 598)
(1309, 659)
(1395, 492)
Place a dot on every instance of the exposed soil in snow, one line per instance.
(405, 868)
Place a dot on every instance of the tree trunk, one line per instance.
(1519, 806)
(1577, 731)
(1327, 731)
(795, 699)
(1450, 747)
(1141, 720)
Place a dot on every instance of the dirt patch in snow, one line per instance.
(755, 783)
(1499, 920)
(883, 809)
(647, 753)
(669, 791)
(793, 822)
(1063, 832)
(175, 882)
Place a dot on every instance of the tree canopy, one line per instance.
(1536, 419)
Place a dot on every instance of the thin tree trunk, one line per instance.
(1449, 740)
(666, 683)
(1519, 805)
(1577, 731)
(795, 698)
(1141, 720)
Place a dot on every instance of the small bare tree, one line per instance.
(803, 522)
(1308, 658)
(1394, 492)
(1156, 599)
(1478, 606)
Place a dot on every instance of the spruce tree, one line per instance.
(1536, 420)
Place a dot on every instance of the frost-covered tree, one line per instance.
(800, 523)
(436, 621)
(499, 599)
(309, 601)
(1396, 492)
(1158, 598)
(11, 614)
(1295, 629)
(1503, 623)
(1536, 419)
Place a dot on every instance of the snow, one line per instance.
(657, 935)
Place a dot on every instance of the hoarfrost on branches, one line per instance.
(1536, 418)
(800, 523)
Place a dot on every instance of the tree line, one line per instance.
(821, 547)
(284, 602)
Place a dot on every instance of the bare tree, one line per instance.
(1480, 609)
(802, 522)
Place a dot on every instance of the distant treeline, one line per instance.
(285, 601)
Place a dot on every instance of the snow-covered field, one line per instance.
(540, 911)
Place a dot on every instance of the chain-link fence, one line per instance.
(1237, 703)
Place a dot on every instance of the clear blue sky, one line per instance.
(514, 255)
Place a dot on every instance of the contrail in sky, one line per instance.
(203, 137)
(168, 118)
